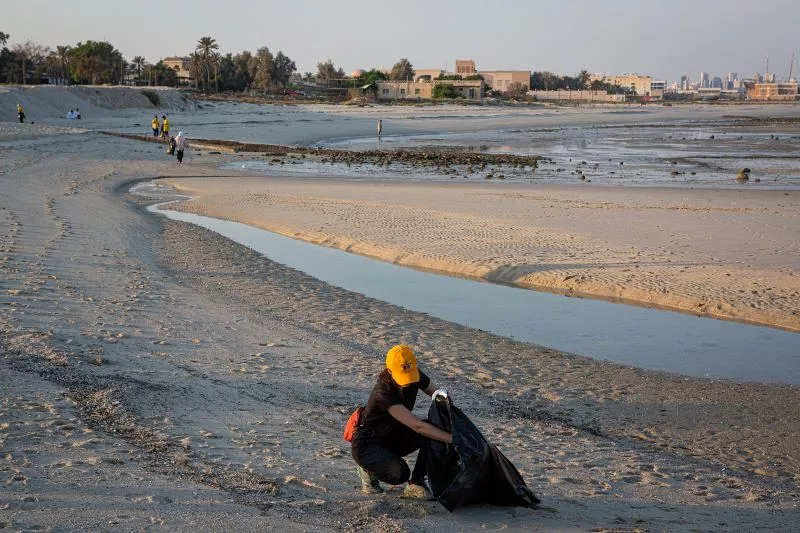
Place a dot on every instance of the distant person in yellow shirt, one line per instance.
(164, 126)
(156, 126)
(21, 113)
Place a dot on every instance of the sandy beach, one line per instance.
(727, 254)
(158, 376)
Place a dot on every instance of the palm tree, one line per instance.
(206, 47)
(63, 53)
(139, 63)
(216, 59)
(194, 68)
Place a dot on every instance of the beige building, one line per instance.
(181, 65)
(578, 96)
(641, 85)
(772, 91)
(501, 80)
(465, 67)
(423, 90)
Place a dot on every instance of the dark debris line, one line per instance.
(431, 157)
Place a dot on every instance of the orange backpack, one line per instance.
(352, 424)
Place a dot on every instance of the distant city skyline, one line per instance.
(665, 40)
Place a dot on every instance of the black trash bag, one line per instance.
(472, 470)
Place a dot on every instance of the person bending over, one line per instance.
(389, 430)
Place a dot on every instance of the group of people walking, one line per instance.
(175, 145)
(160, 129)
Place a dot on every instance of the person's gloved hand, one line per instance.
(440, 392)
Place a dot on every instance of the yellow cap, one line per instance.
(402, 365)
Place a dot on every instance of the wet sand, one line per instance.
(155, 375)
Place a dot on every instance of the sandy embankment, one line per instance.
(46, 103)
(722, 253)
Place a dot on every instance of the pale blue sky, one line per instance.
(664, 39)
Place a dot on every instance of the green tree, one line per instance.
(196, 67)
(261, 69)
(139, 63)
(206, 47)
(169, 76)
(215, 60)
(241, 72)
(444, 90)
(64, 54)
(368, 80)
(402, 70)
(371, 77)
(95, 62)
(225, 74)
(52, 65)
(160, 74)
(517, 91)
(545, 81)
(327, 71)
(281, 69)
(7, 58)
(582, 80)
(29, 55)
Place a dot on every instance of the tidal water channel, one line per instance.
(651, 339)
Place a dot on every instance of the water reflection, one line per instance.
(646, 338)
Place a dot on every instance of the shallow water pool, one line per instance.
(646, 338)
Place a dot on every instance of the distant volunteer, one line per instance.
(20, 113)
(155, 125)
(164, 126)
(180, 146)
(389, 430)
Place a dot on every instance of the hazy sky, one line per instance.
(664, 39)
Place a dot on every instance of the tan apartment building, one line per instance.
(465, 67)
(423, 90)
(641, 85)
(501, 80)
(772, 91)
(181, 65)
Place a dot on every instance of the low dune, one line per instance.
(48, 102)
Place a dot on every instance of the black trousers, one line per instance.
(155, 132)
(180, 156)
(384, 457)
(21, 118)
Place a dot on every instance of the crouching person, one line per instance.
(389, 430)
